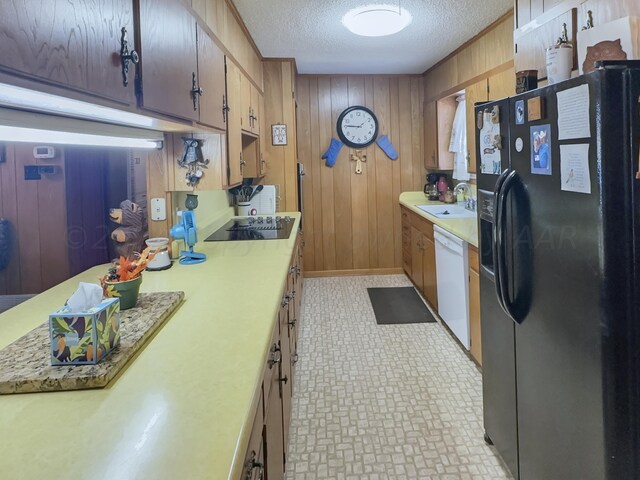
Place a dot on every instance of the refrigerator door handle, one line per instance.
(497, 226)
(501, 241)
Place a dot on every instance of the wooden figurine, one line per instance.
(129, 236)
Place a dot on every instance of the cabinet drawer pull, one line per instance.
(293, 322)
(126, 56)
(285, 300)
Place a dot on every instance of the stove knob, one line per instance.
(269, 219)
(287, 219)
(260, 219)
(278, 218)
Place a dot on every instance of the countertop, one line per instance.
(183, 408)
(464, 228)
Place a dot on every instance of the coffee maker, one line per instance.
(431, 187)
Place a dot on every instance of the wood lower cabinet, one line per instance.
(271, 423)
(70, 43)
(419, 254)
(474, 305)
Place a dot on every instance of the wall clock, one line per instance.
(357, 127)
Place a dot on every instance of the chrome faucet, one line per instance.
(469, 202)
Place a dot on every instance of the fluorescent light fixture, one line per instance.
(17, 97)
(30, 127)
(377, 20)
(34, 135)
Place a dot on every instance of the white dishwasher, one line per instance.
(452, 270)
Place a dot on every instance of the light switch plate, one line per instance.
(158, 209)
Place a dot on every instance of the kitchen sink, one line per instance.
(447, 211)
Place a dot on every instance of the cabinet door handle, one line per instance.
(285, 300)
(225, 108)
(294, 358)
(196, 91)
(252, 464)
(126, 56)
(283, 380)
(293, 322)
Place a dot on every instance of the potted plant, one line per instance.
(125, 277)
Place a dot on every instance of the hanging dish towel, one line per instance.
(458, 143)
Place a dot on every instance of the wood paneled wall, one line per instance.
(37, 212)
(352, 222)
(280, 108)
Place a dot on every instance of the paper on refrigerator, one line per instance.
(490, 158)
(574, 118)
(574, 168)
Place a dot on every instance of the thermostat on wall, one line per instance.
(44, 152)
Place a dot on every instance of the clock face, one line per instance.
(357, 127)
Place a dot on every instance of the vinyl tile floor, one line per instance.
(382, 402)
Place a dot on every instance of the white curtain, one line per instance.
(458, 143)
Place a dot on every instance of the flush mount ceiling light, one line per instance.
(377, 20)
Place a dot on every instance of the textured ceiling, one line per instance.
(311, 31)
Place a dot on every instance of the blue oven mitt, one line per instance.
(385, 145)
(331, 155)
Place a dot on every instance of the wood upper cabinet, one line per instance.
(251, 98)
(234, 125)
(477, 92)
(430, 135)
(169, 58)
(265, 138)
(503, 84)
(211, 79)
(69, 43)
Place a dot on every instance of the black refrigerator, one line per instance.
(559, 227)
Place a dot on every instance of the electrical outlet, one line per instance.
(158, 209)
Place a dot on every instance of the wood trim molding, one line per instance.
(244, 28)
(357, 75)
(353, 273)
(291, 60)
(492, 26)
(471, 81)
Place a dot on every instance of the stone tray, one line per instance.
(25, 365)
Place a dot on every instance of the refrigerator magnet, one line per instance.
(541, 150)
(535, 109)
(519, 144)
(520, 112)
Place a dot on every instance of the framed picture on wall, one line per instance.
(278, 134)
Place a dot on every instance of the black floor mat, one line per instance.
(399, 305)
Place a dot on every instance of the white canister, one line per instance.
(159, 247)
(243, 209)
(559, 63)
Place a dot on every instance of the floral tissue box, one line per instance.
(84, 338)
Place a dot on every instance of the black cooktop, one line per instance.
(253, 228)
